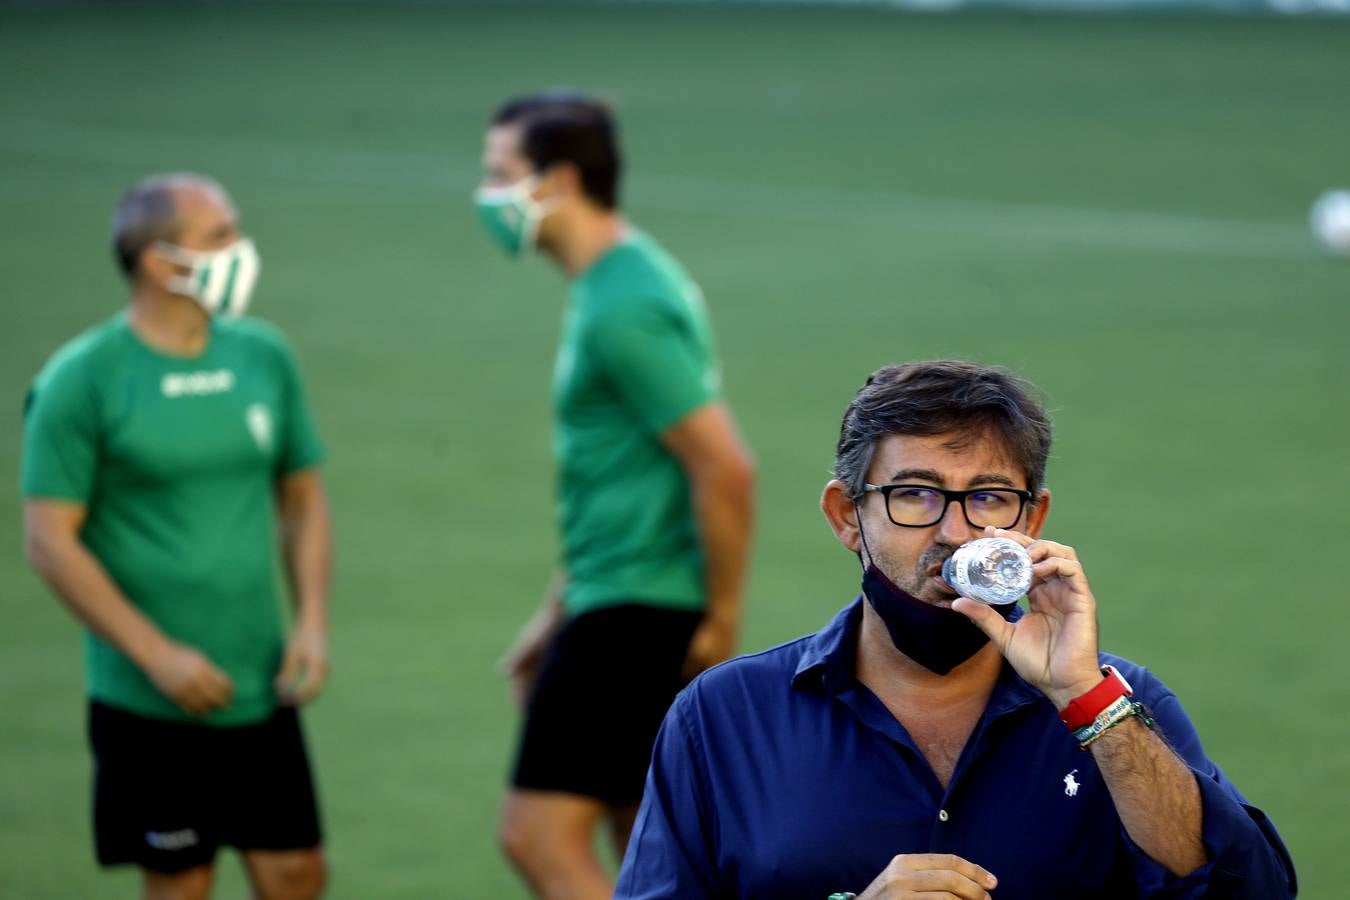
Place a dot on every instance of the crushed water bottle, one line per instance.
(991, 570)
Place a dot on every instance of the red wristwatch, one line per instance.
(1084, 709)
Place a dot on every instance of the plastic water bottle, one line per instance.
(991, 570)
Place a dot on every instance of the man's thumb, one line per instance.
(988, 621)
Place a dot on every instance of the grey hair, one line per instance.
(147, 213)
(964, 399)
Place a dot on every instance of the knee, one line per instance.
(194, 884)
(548, 838)
(517, 839)
(310, 878)
(536, 845)
(299, 878)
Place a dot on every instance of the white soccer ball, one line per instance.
(1330, 220)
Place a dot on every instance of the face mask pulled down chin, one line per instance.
(510, 215)
(937, 639)
(221, 281)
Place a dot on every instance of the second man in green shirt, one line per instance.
(654, 495)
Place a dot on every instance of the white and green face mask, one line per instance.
(221, 281)
(511, 215)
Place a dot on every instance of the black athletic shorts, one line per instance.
(168, 794)
(602, 690)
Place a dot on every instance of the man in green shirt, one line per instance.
(654, 495)
(166, 453)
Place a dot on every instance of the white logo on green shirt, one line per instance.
(260, 426)
(197, 384)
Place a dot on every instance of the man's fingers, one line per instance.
(947, 861)
(217, 688)
(519, 659)
(1057, 567)
(946, 881)
(1044, 549)
(290, 670)
(316, 673)
(521, 685)
(302, 677)
(201, 698)
(217, 682)
(1036, 549)
(1019, 537)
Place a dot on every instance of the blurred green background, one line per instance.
(1112, 206)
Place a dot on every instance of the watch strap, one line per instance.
(1084, 709)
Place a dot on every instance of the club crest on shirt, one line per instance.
(259, 420)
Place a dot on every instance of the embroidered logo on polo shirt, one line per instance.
(1070, 786)
(197, 384)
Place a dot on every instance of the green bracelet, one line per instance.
(1088, 734)
(842, 895)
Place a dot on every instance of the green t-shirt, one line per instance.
(636, 356)
(176, 460)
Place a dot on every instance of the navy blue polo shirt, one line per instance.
(779, 775)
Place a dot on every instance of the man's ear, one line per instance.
(1037, 514)
(836, 502)
(156, 268)
(560, 181)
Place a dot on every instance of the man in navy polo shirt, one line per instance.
(917, 745)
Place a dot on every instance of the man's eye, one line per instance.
(913, 495)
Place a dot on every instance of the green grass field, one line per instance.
(1113, 206)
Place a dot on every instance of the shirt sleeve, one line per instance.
(61, 438)
(301, 447)
(670, 852)
(1247, 858)
(651, 357)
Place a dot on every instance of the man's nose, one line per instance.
(953, 529)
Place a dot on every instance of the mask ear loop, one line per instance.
(534, 219)
(183, 285)
(862, 534)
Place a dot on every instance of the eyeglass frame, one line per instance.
(949, 497)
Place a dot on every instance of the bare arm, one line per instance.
(1054, 646)
(307, 546)
(1155, 795)
(722, 483)
(522, 660)
(54, 550)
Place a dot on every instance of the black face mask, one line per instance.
(936, 638)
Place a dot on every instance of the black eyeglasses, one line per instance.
(919, 506)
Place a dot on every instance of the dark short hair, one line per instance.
(944, 396)
(147, 213)
(563, 126)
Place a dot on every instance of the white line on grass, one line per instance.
(839, 207)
